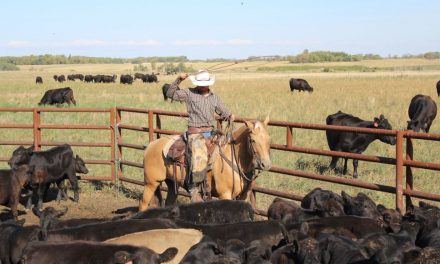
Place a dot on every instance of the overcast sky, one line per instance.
(217, 29)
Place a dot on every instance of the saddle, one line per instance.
(177, 151)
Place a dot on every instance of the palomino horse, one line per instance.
(232, 170)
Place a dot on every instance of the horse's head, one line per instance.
(259, 143)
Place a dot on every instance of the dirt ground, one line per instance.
(96, 201)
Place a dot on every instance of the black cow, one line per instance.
(55, 77)
(52, 165)
(81, 252)
(422, 111)
(102, 231)
(108, 78)
(71, 77)
(165, 88)
(354, 142)
(38, 79)
(126, 79)
(438, 88)
(61, 78)
(300, 85)
(11, 183)
(58, 96)
(88, 78)
(98, 78)
(211, 212)
(139, 76)
(149, 78)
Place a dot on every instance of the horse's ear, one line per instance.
(249, 124)
(266, 121)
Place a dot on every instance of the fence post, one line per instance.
(150, 126)
(112, 142)
(289, 136)
(118, 142)
(399, 171)
(37, 129)
(409, 174)
(158, 125)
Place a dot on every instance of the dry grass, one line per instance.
(248, 94)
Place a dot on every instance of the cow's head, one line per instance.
(20, 156)
(361, 205)
(392, 218)
(80, 165)
(417, 125)
(382, 123)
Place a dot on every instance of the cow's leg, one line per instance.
(62, 191)
(334, 162)
(345, 166)
(74, 182)
(14, 205)
(355, 168)
(40, 192)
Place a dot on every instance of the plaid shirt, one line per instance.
(200, 108)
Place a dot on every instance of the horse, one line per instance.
(232, 173)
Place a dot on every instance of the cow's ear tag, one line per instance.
(375, 124)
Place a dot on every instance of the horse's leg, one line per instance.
(149, 189)
(171, 195)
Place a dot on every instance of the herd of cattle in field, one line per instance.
(101, 78)
(325, 228)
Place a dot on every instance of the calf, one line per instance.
(14, 239)
(39, 80)
(108, 78)
(80, 252)
(11, 183)
(51, 165)
(392, 218)
(361, 205)
(58, 96)
(354, 142)
(300, 85)
(327, 202)
(55, 77)
(422, 111)
(280, 208)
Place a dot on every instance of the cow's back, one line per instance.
(55, 160)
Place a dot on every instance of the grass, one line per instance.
(248, 93)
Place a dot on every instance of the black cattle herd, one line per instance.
(325, 228)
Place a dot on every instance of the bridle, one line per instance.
(233, 162)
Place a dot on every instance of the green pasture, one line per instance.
(251, 90)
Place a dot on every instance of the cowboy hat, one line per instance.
(202, 78)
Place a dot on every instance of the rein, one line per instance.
(233, 163)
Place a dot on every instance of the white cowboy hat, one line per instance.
(202, 78)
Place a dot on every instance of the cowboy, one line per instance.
(201, 105)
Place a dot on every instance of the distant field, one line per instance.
(253, 90)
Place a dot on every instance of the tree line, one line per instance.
(48, 59)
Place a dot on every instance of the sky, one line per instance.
(217, 29)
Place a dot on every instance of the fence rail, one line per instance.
(403, 162)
